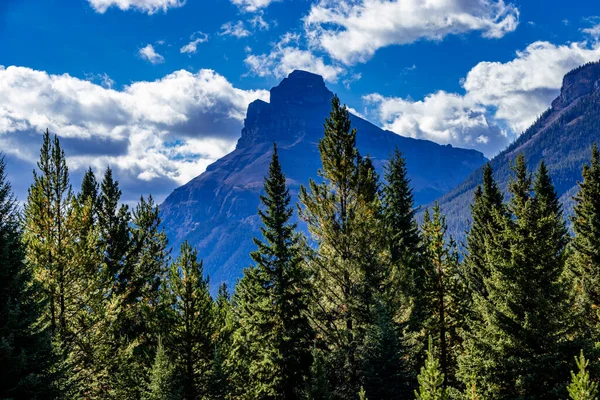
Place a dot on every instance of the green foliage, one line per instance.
(431, 378)
(581, 386)
(274, 335)
(343, 217)
(584, 262)
(162, 377)
(26, 356)
(191, 330)
(517, 342)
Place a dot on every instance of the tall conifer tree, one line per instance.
(191, 333)
(273, 303)
(342, 213)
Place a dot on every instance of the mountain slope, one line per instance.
(562, 137)
(217, 210)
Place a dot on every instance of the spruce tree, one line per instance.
(488, 201)
(342, 216)
(517, 344)
(113, 220)
(191, 332)
(431, 379)
(273, 300)
(402, 232)
(26, 355)
(584, 262)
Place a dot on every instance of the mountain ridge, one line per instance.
(216, 211)
(562, 136)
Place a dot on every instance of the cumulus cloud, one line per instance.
(147, 6)
(286, 56)
(155, 134)
(252, 5)
(500, 100)
(196, 38)
(149, 54)
(237, 29)
(352, 31)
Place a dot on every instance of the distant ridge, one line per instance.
(562, 136)
(216, 211)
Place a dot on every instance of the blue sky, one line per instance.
(158, 89)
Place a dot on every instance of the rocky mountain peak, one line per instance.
(300, 98)
(577, 83)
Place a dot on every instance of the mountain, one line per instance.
(216, 212)
(562, 136)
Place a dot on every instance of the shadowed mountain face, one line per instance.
(562, 137)
(216, 212)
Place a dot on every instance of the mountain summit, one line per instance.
(217, 211)
(562, 136)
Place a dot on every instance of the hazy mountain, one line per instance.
(216, 212)
(562, 136)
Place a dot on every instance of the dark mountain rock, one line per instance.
(562, 137)
(217, 210)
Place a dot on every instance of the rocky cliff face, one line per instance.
(562, 137)
(217, 210)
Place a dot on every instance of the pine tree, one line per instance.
(273, 300)
(223, 326)
(431, 379)
(584, 262)
(581, 386)
(517, 343)
(190, 338)
(47, 217)
(342, 216)
(162, 377)
(26, 356)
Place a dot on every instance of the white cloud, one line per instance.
(149, 54)
(500, 100)
(253, 5)
(593, 32)
(258, 22)
(164, 131)
(234, 29)
(147, 6)
(196, 38)
(521, 89)
(286, 57)
(353, 30)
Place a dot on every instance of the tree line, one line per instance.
(372, 305)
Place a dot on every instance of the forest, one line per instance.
(371, 304)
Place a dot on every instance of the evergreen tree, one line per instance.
(190, 338)
(516, 346)
(273, 300)
(26, 356)
(584, 260)
(223, 326)
(48, 236)
(444, 292)
(402, 235)
(113, 220)
(581, 386)
(431, 378)
(342, 215)
(488, 201)
(162, 377)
